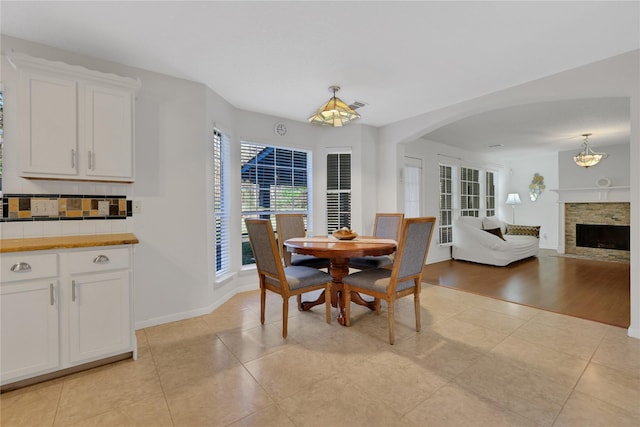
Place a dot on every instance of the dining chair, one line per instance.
(403, 279)
(289, 226)
(275, 277)
(385, 226)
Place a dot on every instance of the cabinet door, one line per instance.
(109, 132)
(99, 316)
(29, 331)
(48, 125)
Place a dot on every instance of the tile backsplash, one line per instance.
(40, 215)
(27, 207)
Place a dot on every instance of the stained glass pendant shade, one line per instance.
(335, 112)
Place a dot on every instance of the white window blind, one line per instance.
(273, 180)
(221, 201)
(338, 191)
(445, 226)
(490, 193)
(469, 192)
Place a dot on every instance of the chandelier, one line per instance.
(587, 157)
(334, 112)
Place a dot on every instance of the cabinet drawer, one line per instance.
(29, 266)
(98, 260)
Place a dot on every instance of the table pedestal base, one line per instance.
(339, 268)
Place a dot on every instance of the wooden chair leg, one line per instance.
(416, 303)
(285, 315)
(299, 302)
(327, 302)
(347, 305)
(391, 310)
(378, 305)
(263, 296)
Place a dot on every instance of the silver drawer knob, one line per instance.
(21, 267)
(101, 259)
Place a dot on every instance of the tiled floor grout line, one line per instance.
(157, 373)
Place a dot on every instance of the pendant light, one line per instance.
(334, 112)
(587, 157)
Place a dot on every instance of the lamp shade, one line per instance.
(335, 112)
(513, 199)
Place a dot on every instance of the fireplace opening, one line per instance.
(603, 236)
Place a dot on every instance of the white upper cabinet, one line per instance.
(108, 132)
(74, 123)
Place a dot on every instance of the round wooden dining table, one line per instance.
(339, 252)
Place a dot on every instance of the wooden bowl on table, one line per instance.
(343, 234)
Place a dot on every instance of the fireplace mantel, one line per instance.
(594, 194)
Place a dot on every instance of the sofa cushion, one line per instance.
(491, 222)
(496, 232)
(523, 230)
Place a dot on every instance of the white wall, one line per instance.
(542, 212)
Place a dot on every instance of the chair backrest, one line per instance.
(413, 247)
(265, 249)
(288, 226)
(387, 225)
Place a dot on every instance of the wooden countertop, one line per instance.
(66, 242)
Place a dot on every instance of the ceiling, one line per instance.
(401, 59)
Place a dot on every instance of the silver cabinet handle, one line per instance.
(101, 259)
(73, 158)
(51, 294)
(90, 162)
(21, 267)
(73, 291)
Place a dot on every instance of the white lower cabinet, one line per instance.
(64, 308)
(99, 320)
(30, 322)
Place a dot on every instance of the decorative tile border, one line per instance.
(18, 207)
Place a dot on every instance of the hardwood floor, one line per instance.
(593, 290)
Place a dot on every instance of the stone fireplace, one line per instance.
(606, 205)
(599, 216)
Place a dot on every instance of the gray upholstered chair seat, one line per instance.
(290, 226)
(385, 226)
(376, 279)
(299, 277)
(309, 261)
(364, 263)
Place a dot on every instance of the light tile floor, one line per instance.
(477, 362)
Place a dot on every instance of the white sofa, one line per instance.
(471, 241)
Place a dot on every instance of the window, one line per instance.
(469, 192)
(273, 180)
(445, 226)
(221, 201)
(338, 191)
(490, 193)
(412, 180)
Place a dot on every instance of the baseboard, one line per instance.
(633, 332)
(173, 317)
